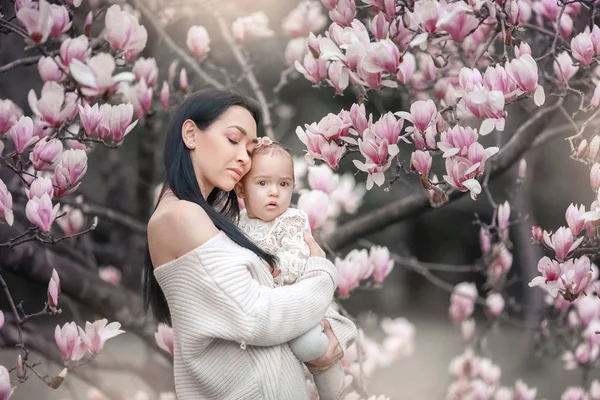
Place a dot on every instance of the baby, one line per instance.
(275, 227)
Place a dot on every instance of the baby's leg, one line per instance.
(310, 345)
(330, 383)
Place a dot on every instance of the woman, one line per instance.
(212, 283)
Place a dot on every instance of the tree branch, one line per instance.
(35, 261)
(418, 203)
(187, 59)
(248, 72)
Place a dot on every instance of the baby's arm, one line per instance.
(292, 248)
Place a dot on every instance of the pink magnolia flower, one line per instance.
(574, 217)
(577, 276)
(22, 134)
(564, 68)
(39, 187)
(496, 78)
(69, 172)
(469, 78)
(595, 177)
(379, 256)
(165, 95)
(49, 69)
(6, 391)
(9, 114)
(339, 76)
(110, 274)
(139, 96)
(329, 4)
(358, 115)
(347, 195)
(307, 17)
(524, 73)
(146, 68)
(90, 118)
(1, 319)
(462, 301)
(319, 148)
(331, 127)
(72, 222)
(71, 347)
(551, 276)
(388, 128)
(40, 212)
(382, 56)
(561, 242)
(406, 68)
(503, 217)
(322, 178)
(462, 175)
(38, 22)
(97, 333)
(379, 26)
(457, 140)
(96, 77)
(426, 14)
(457, 20)
(588, 309)
(75, 49)
(344, 12)
(54, 105)
(61, 22)
(583, 48)
(315, 70)
(164, 338)
(495, 304)
(421, 161)
(314, 203)
(6, 204)
(253, 25)
(487, 105)
(295, 50)
(116, 122)
(123, 31)
(198, 41)
(45, 153)
(348, 278)
(537, 233)
(422, 114)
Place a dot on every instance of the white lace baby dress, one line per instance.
(283, 237)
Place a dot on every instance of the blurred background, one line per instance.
(120, 185)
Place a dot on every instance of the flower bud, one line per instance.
(594, 147)
(595, 177)
(58, 379)
(537, 233)
(582, 150)
(20, 368)
(522, 169)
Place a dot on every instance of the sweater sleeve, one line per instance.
(212, 294)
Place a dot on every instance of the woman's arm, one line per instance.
(212, 294)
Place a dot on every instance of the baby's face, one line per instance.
(267, 189)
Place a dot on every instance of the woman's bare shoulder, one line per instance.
(176, 228)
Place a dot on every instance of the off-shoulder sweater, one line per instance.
(231, 325)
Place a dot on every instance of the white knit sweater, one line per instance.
(231, 325)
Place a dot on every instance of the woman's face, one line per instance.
(221, 153)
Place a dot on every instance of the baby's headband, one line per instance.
(263, 141)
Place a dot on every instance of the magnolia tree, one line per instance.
(459, 68)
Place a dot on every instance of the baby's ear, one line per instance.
(239, 190)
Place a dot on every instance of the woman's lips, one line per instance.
(235, 174)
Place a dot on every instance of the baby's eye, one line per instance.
(285, 184)
(262, 183)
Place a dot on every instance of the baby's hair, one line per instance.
(268, 147)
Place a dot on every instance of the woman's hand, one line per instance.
(333, 354)
(315, 249)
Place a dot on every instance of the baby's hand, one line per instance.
(315, 249)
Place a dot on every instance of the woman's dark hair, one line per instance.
(204, 108)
